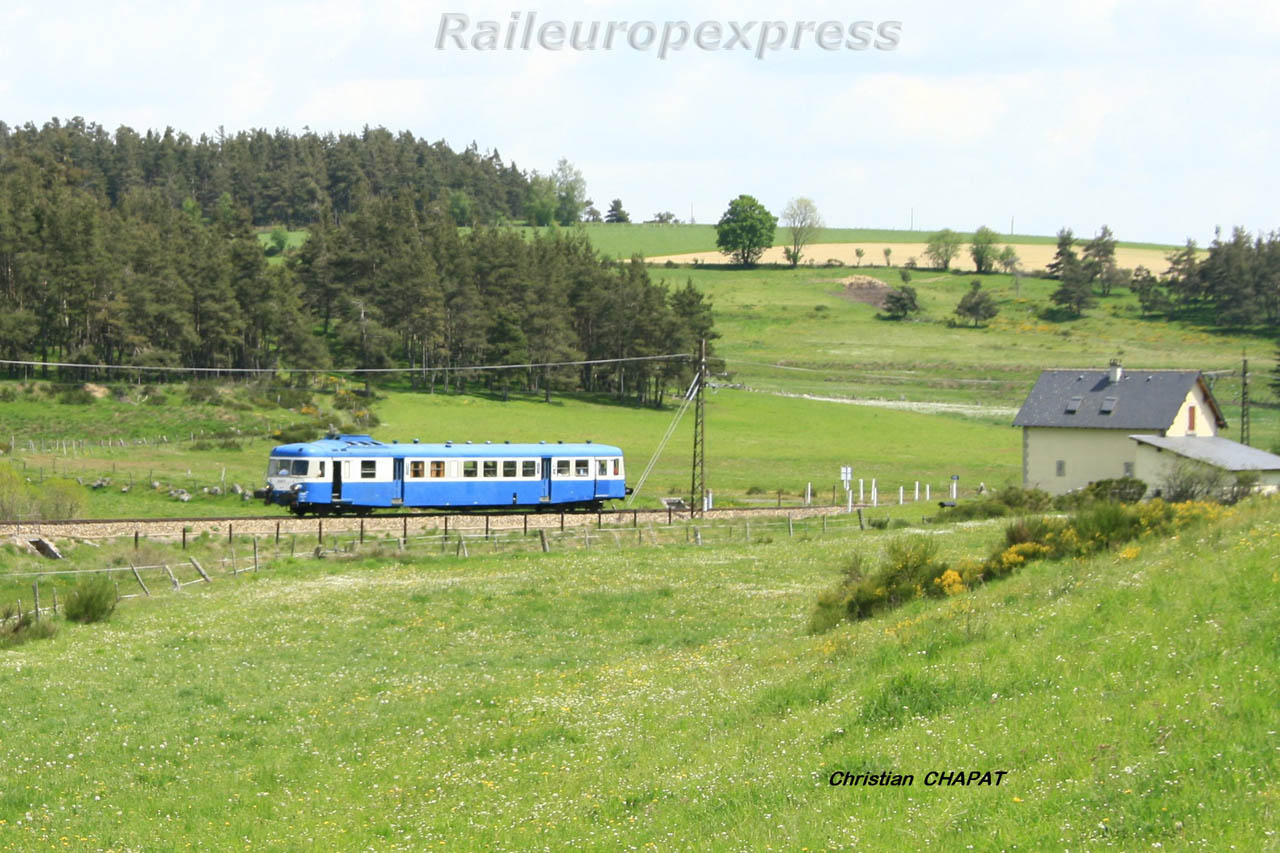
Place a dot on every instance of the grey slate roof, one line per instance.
(1215, 450)
(1142, 399)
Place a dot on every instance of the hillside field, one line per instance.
(753, 445)
(664, 698)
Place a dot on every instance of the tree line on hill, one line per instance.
(277, 177)
(100, 264)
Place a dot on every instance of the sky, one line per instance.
(1158, 119)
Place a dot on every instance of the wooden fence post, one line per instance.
(791, 526)
(35, 594)
(169, 572)
(542, 533)
(200, 569)
(139, 579)
(255, 553)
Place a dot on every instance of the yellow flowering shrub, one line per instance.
(951, 582)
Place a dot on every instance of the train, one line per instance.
(357, 474)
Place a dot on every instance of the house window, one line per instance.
(469, 468)
(508, 468)
(368, 469)
(1128, 469)
(1191, 418)
(491, 467)
(562, 467)
(416, 469)
(529, 468)
(582, 467)
(437, 468)
(1062, 468)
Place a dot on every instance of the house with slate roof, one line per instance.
(1079, 426)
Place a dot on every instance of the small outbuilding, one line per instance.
(1157, 455)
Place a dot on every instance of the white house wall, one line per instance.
(1087, 455)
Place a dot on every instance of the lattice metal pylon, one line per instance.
(1244, 402)
(698, 491)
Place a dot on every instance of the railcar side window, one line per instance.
(469, 468)
(617, 465)
(299, 468)
(320, 473)
(437, 468)
(416, 469)
(582, 467)
(602, 467)
(529, 468)
(562, 467)
(491, 467)
(368, 469)
(508, 468)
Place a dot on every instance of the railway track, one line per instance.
(402, 523)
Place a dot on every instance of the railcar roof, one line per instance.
(365, 446)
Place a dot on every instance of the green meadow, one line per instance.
(757, 445)
(650, 240)
(662, 698)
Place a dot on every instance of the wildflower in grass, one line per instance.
(1130, 552)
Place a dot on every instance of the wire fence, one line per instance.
(255, 553)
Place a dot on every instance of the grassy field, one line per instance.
(753, 447)
(661, 698)
(833, 345)
(623, 241)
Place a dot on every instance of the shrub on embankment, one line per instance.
(911, 567)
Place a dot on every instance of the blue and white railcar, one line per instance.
(356, 473)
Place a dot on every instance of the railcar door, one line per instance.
(546, 479)
(336, 494)
(397, 488)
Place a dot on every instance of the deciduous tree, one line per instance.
(801, 218)
(745, 230)
(942, 248)
(983, 249)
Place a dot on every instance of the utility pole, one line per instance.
(1244, 401)
(698, 490)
